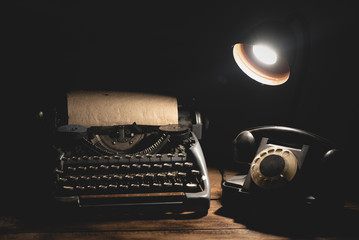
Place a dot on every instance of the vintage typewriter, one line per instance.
(138, 166)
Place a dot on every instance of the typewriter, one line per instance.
(132, 166)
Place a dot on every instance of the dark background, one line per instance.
(184, 49)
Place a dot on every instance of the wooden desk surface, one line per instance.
(218, 224)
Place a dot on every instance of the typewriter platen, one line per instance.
(132, 165)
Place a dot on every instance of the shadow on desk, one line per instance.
(90, 220)
(297, 222)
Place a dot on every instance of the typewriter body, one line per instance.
(132, 166)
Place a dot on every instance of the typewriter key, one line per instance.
(135, 185)
(171, 174)
(63, 179)
(81, 188)
(178, 184)
(91, 187)
(123, 186)
(182, 174)
(161, 175)
(94, 168)
(139, 176)
(107, 177)
(136, 166)
(125, 166)
(71, 169)
(74, 178)
(85, 178)
(149, 176)
(157, 166)
(170, 156)
(82, 168)
(115, 167)
(191, 186)
(188, 164)
(112, 186)
(117, 177)
(95, 177)
(182, 156)
(67, 188)
(128, 177)
(167, 165)
(104, 167)
(145, 185)
(167, 184)
(157, 185)
(178, 164)
(146, 166)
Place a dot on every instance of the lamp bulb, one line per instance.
(265, 54)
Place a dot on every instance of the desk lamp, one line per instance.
(265, 50)
(261, 63)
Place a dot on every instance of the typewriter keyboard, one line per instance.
(89, 175)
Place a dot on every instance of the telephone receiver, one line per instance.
(286, 165)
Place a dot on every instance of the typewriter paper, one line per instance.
(120, 108)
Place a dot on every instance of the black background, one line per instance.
(183, 49)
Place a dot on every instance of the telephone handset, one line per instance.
(285, 164)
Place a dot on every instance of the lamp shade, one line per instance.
(261, 64)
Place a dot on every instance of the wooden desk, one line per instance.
(218, 224)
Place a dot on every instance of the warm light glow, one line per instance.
(261, 64)
(265, 54)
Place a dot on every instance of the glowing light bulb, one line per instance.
(274, 70)
(265, 54)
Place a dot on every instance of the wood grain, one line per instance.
(173, 235)
(218, 224)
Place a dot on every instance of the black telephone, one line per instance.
(284, 165)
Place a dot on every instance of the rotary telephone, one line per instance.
(285, 166)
